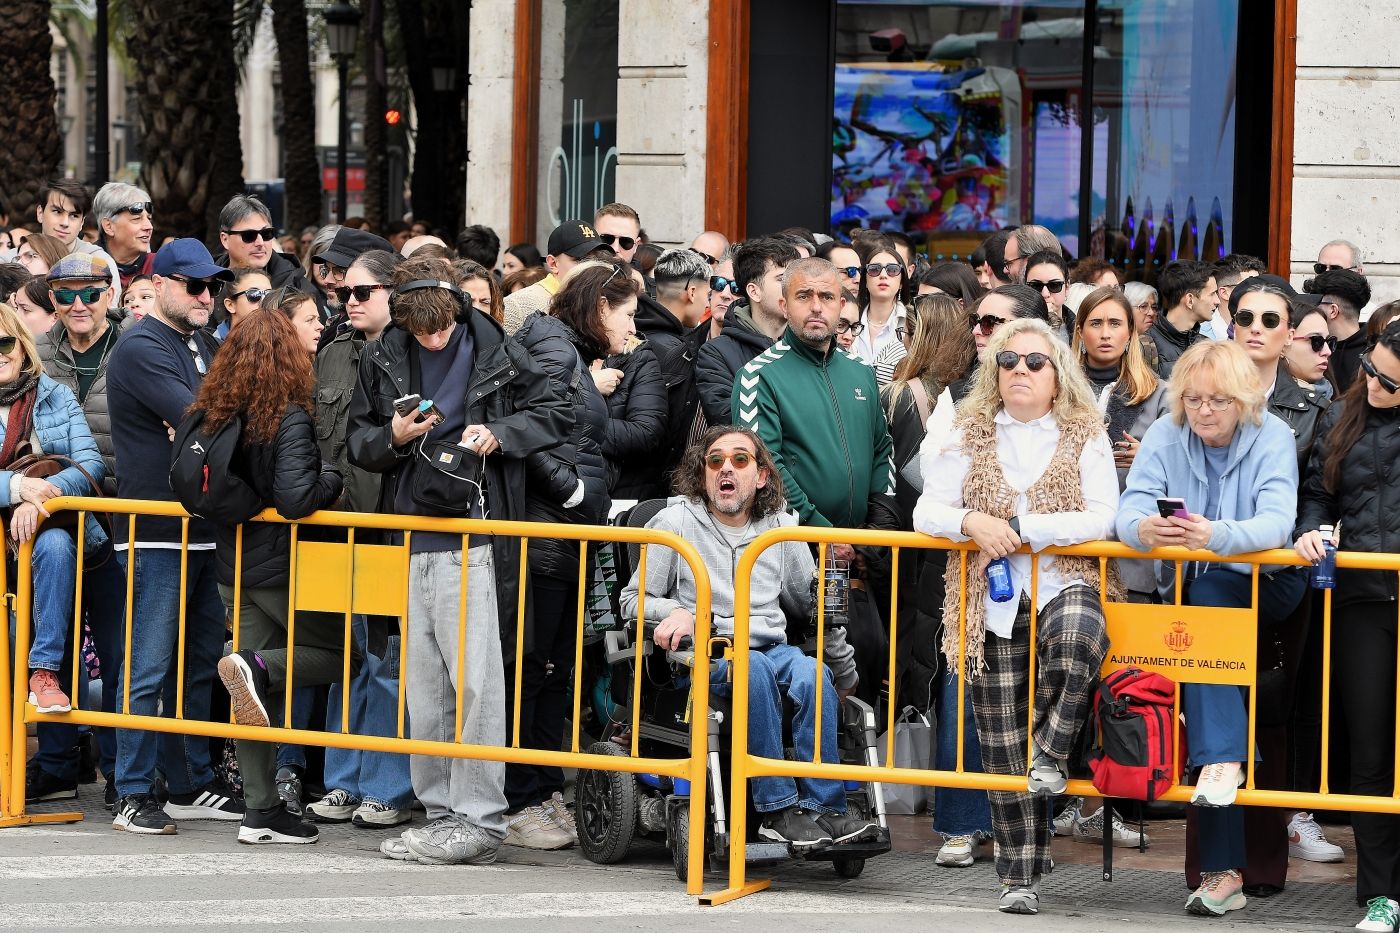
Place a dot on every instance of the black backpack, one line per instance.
(202, 475)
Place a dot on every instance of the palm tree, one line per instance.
(28, 117)
(301, 171)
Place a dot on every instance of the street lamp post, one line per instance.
(342, 34)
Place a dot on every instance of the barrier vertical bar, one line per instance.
(962, 653)
(641, 636)
(893, 675)
(75, 697)
(462, 647)
(520, 639)
(1326, 685)
(180, 640)
(131, 553)
(291, 626)
(237, 588)
(699, 732)
(349, 630)
(821, 645)
(578, 641)
(1253, 679)
(9, 721)
(403, 627)
(1396, 721)
(1030, 686)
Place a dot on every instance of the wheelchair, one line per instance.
(616, 808)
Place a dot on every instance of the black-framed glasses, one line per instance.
(988, 322)
(1369, 368)
(7, 345)
(135, 210)
(195, 287)
(255, 295)
(1321, 267)
(853, 328)
(719, 283)
(1054, 286)
(248, 236)
(1318, 341)
(891, 269)
(1270, 319)
(624, 242)
(1035, 362)
(362, 293)
(88, 296)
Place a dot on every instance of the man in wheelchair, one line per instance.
(729, 494)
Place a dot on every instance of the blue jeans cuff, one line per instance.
(774, 807)
(811, 806)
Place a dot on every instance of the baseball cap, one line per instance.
(349, 244)
(190, 258)
(575, 238)
(80, 267)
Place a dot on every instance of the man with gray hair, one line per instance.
(124, 224)
(1032, 239)
(247, 236)
(1338, 254)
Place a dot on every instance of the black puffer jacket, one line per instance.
(720, 360)
(636, 424)
(290, 476)
(1365, 503)
(1299, 408)
(1172, 343)
(676, 347)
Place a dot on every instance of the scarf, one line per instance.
(20, 396)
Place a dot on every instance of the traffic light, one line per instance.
(392, 116)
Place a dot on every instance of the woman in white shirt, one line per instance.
(1045, 477)
(885, 288)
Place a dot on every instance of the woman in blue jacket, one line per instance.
(1236, 467)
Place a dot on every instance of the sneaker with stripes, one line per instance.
(214, 802)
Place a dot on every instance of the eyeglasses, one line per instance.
(891, 269)
(988, 322)
(1054, 286)
(1387, 383)
(719, 283)
(850, 272)
(1270, 319)
(740, 458)
(248, 236)
(199, 363)
(1216, 402)
(135, 210)
(195, 287)
(850, 327)
(1319, 268)
(705, 256)
(1318, 341)
(626, 242)
(1035, 362)
(88, 296)
(362, 293)
(7, 345)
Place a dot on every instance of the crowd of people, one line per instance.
(1019, 398)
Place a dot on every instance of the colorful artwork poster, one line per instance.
(919, 150)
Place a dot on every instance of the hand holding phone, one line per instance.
(407, 404)
(1172, 507)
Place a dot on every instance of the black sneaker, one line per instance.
(795, 827)
(268, 827)
(214, 802)
(289, 788)
(846, 828)
(142, 813)
(245, 677)
(40, 785)
(109, 794)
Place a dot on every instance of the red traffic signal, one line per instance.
(392, 116)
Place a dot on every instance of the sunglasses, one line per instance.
(625, 242)
(891, 269)
(850, 272)
(1035, 362)
(1317, 342)
(850, 327)
(1387, 383)
(1270, 319)
(89, 295)
(1319, 268)
(7, 345)
(988, 322)
(361, 292)
(715, 460)
(1054, 286)
(719, 283)
(705, 256)
(135, 210)
(255, 295)
(195, 287)
(248, 236)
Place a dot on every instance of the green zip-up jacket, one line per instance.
(819, 413)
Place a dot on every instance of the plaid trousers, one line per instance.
(1071, 641)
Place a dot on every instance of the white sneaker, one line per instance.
(1067, 823)
(336, 807)
(1020, 899)
(1047, 777)
(956, 852)
(1217, 785)
(531, 829)
(1382, 916)
(558, 813)
(1306, 841)
(373, 814)
(1124, 836)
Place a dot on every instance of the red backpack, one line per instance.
(1135, 718)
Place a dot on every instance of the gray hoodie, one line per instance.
(781, 581)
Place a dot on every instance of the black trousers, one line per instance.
(545, 679)
(1364, 645)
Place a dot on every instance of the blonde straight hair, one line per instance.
(1135, 377)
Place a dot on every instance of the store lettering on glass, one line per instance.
(584, 170)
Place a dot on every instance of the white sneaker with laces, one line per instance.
(1067, 823)
(531, 829)
(1382, 916)
(558, 813)
(956, 852)
(1217, 784)
(1306, 841)
(1124, 836)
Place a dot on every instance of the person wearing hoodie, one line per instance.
(751, 323)
(1236, 468)
(247, 236)
(729, 493)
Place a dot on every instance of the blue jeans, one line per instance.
(303, 705)
(104, 597)
(379, 776)
(958, 811)
(774, 672)
(184, 760)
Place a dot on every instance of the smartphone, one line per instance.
(1172, 506)
(407, 404)
(426, 409)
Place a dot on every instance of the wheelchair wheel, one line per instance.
(678, 838)
(607, 809)
(848, 867)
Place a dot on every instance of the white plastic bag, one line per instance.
(913, 744)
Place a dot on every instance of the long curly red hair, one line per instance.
(259, 370)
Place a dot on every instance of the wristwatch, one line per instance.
(1015, 524)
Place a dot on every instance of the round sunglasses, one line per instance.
(1035, 362)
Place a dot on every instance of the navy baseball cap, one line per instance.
(190, 258)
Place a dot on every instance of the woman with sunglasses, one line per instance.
(1309, 357)
(1048, 273)
(241, 297)
(884, 289)
(1350, 484)
(1235, 468)
(1044, 477)
(724, 291)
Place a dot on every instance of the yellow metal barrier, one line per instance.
(1220, 649)
(349, 578)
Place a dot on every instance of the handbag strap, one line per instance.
(921, 399)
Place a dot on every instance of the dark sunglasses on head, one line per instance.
(1317, 342)
(248, 236)
(7, 344)
(361, 292)
(1054, 286)
(1270, 319)
(255, 295)
(891, 269)
(89, 295)
(1035, 362)
(135, 210)
(740, 459)
(625, 242)
(719, 283)
(195, 287)
(1387, 383)
(989, 322)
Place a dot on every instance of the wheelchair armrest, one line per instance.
(617, 645)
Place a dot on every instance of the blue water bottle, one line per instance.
(999, 580)
(1324, 573)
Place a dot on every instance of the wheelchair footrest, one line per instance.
(766, 852)
(850, 850)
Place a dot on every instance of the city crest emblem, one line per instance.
(1178, 639)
